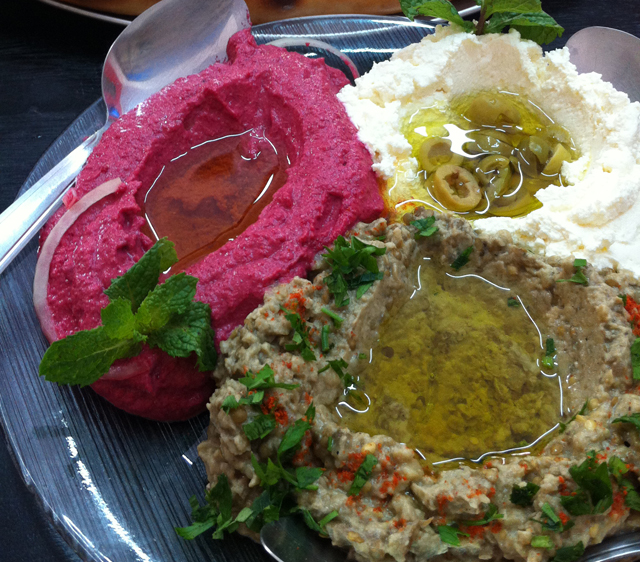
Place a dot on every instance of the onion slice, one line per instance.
(41, 280)
(305, 42)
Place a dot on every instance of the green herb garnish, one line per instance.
(595, 494)
(635, 359)
(338, 366)
(426, 227)
(462, 259)
(319, 526)
(582, 412)
(353, 266)
(330, 443)
(550, 351)
(337, 320)
(514, 303)
(523, 496)
(215, 513)
(542, 541)
(633, 419)
(140, 311)
(324, 338)
(264, 379)
(363, 474)
(551, 521)
(260, 427)
(450, 534)
(569, 553)
(253, 399)
(524, 15)
(300, 336)
(490, 515)
(578, 277)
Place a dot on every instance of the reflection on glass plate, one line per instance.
(116, 486)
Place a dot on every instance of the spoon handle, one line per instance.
(24, 218)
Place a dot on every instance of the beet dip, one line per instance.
(329, 187)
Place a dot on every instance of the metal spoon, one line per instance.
(171, 39)
(610, 52)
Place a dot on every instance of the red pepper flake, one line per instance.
(351, 500)
(377, 509)
(400, 524)
(563, 517)
(492, 492)
(308, 398)
(633, 308)
(281, 416)
(495, 527)
(474, 531)
(488, 465)
(443, 500)
(618, 508)
(561, 479)
(347, 472)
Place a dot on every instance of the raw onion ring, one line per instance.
(41, 280)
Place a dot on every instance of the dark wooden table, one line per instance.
(50, 64)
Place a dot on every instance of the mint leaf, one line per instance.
(426, 227)
(569, 553)
(172, 297)
(82, 358)
(142, 277)
(450, 534)
(635, 359)
(362, 474)
(188, 332)
(441, 9)
(462, 259)
(515, 6)
(118, 320)
(523, 496)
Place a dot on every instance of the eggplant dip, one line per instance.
(433, 393)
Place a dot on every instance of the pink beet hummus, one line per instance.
(330, 186)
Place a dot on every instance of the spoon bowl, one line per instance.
(152, 52)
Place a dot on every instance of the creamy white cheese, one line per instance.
(596, 216)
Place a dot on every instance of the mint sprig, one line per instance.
(141, 311)
(526, 16)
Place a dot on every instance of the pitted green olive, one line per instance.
(494, 174)
(488, 142)
(456, 188)
(559, 155)
(557, 134)
(540, 148)
(487, 109)
(435, 152)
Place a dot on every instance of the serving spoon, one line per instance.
(173, 38)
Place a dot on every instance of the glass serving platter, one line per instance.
(114, 485)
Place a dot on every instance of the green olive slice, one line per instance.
(488, 142)
(435, 152)
(486, 109)
(456, 188)
(540, 148)
(494, 173)
(560, 154)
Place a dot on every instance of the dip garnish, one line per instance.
(632, 419)
(462, 259)
(140, 311)
(594, 494)
(338, 366)
(582, 412)
(550, 352)
(523, 495)
(256, 385)
(363, 474)
(569, 553)
(354, 266)
(524, 15)
(578, 277)
(426, 227)
(300, 336)
(617, 468)
(450, 534)
(551, 521)
(490, 515)
(542, 541)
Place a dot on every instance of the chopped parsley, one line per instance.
(635, 359)
(319, 526)
(578, 277)
(300, 336)
(140, 311)
(330, 443)
(594, 494)
(523, 495)
(462, 259)
(569, 553)
(324, 338)
(338, 366)
(490, 515)
(337, 320)
(617, 469)
(582, 412)
(551, 522)
(542, 541)
(525, 16)
(363, 474)
(253, 399)
(513, 303)
(264, 379)
(353, 267)
(450, 534)
(260, 427)
(425, 227)
(550, 351)
(633, 419)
